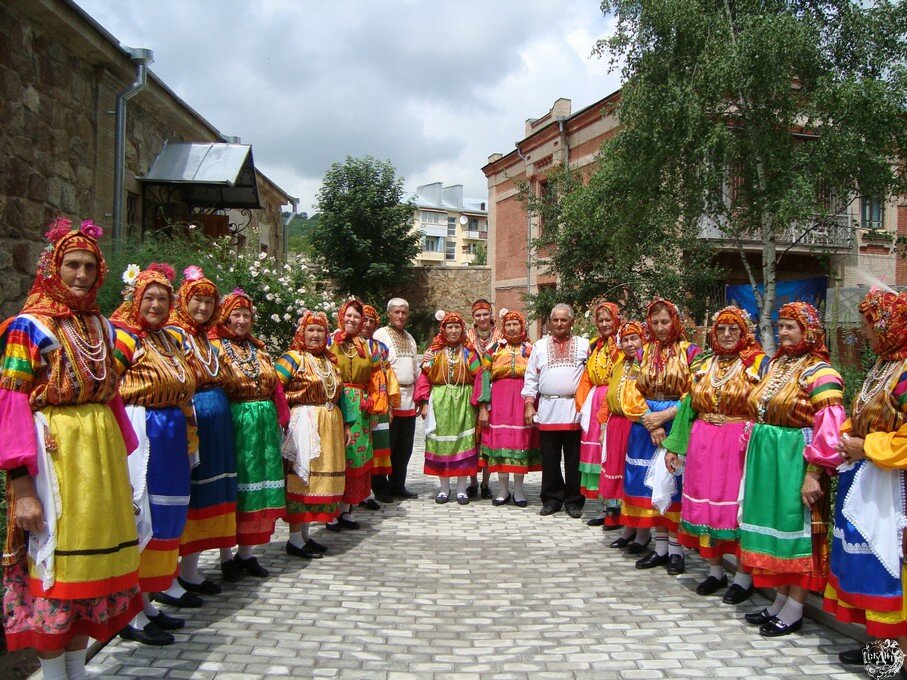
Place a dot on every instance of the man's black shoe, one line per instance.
(549, 510)
(575, 511)
(404, 493)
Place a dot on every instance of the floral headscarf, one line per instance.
(238, 299)
(194, 283)
(614, 310)
(662, 350)
(631, 327)
(807, 317)
(887, 312)
(515, 316)
(312, 319)
(49, 296)
(128, 315)
(748, 348)
(370, 312)
(440, 340)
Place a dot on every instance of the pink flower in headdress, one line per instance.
(193, 273)
(238, 291)
(163, 268)
(58, 229)
(91, 230)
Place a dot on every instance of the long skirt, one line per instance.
(590, 446)
(359, 454)
(611, 482)
(860, 589)
(211, 522)
(781, 540)
(318, 498)
(259, 470)
(508, 444)
(711, 488)
(96, 561)
(450, 432)
(381, 446)
(637, 510)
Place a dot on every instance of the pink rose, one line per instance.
(91, 230)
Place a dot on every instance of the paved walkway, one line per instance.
(475, 591)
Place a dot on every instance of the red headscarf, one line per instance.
(748, 348)
(807, 317)
(371, 313)
(440, 340)
(482, 304)
(194, 283)
(516, 316)
(340, 335)
(49, 296)
(664, 349)
(235, 300)
(632, 327)
(312, 319)
(614, 310)
(128, 314)
(887, 312)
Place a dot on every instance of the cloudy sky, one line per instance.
(434, 86)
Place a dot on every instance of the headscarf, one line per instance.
(748, 348)
(340, 335)
(309, 319)
(807, 317)
(615, 315)
(631, 327)
(238, 299)
(371, 313)
(887, 312)
(440, 340)
(128, 315)
(481, 304)
(662, 350)
(49, 296)
(524, 334)
(194, 283)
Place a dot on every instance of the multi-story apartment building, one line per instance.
(452, 227)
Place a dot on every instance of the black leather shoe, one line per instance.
(370, 504)
(334, 526)
(711, 585)
(462, 499)
(652, 560)
(383, 497)
(186, 600)
(347, 522)
(622, 542)
(852, 657)
(758, 618)
(149, 635)
(676, 565)
(502, 501)
(472, 490)
(485, 492)
(575, 511)
(596, 522)
(252, 567)
(638, 548)
(304, 552)
(315, 546)
(520, 504)
(206, 587)
(549, 510)
(231, 571)
(775, 627)
(404, 493)
(737, 594)
(165, 622)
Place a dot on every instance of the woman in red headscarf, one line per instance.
(444, 396)
(70, 566)
(784, 516)
(315, 445)
(256, 404)
(509, 446)
(590, 395)
(866, 583)
(715, 446)
(365, 393)
(157, 386)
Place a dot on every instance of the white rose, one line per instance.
(269, 296)
(275, 318)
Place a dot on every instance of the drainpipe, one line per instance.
(519, 153)
(141, 58)
(286, 231)
(565, 144)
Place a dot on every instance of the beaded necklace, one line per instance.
(325, 372)
(717, 382)
(878, 377)
(168, 355)
(88, 353)
(248, 365)
(454, 363)
(779, 375)
(211, 364)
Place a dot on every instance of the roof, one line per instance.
(447, 199)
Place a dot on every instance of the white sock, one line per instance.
(244, 552)
(716, 571)
(661, 544)
(674, 547)
(518, 493)
(305, 532)
(628, 531)
(791, 613)
(461, 485)
(775, 607)
(445, 484)
(743, 580)
(140, 621)
(296, 539)
(226, 554)
(175, 589)
(642, 535)
(54, 669)
(75, 664)
(504, 484)
(147, 608)
(189, 569)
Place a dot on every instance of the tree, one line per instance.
(481, 255)
(758, 116)
(364, 237)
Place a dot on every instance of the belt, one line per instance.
(405, 384)
(557, 396)
(721, 419)
(660, 396)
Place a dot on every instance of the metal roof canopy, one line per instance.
(207, 175)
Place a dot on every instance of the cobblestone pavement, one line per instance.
(475, 591)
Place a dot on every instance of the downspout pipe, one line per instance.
(519, 153)
(141, 58)
(286, 228)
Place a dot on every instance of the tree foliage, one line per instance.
(364, 237)
(759, 115)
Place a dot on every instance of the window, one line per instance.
(473, 224)
(872, 213)
(451, 226)
(469, 248)
(428, 217)
(450, 252)
(431, 243)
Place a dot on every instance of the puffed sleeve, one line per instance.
(125, 348)
(825, 388)
(286, 366)
(889, 449)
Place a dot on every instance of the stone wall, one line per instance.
(452, 289)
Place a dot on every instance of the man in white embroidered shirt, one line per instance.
(552, 376)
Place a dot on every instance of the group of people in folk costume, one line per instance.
(132, 445)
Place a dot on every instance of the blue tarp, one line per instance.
(810, 290)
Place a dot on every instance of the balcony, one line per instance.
(475, 235)
(431, 255)
(832, 234)
(434, 230)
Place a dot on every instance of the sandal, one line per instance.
(442, 498)
(462, 499)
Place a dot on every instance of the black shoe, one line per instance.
(575, 511)
(370, 504)
(520, 504)
(315, 546)
(758, 618)
(711, 585)
(333, 526)
(304, 552)
(149, 635)
(231, 571)
(404, 493)
(383, 497)
(485, 492)
(596, 522)
(472, 490)
(775, 627)
(252, 567)
(462, 499)
(737, 594)
(852, 657)
(652, 560)
(549, 510)
(442, 498)
(348, 522)
(206, 587)
(677, 565)
(503, 501)
(186, 600)
(622, 542)
(638, 548)
(165, 622)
